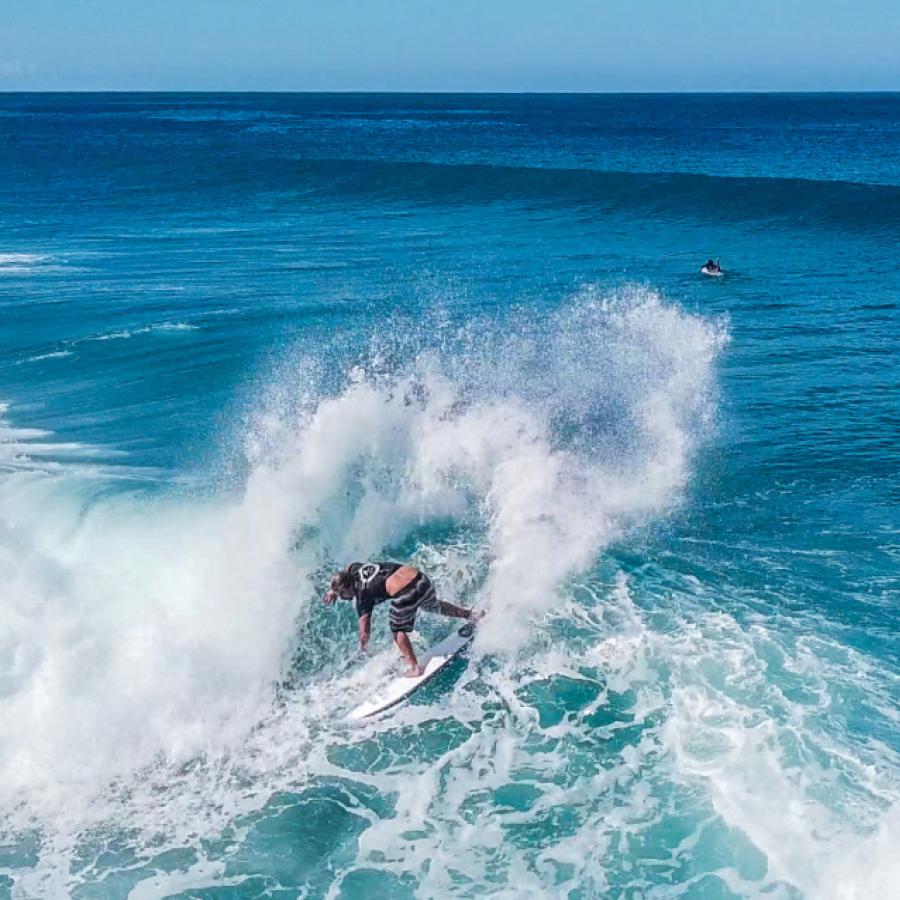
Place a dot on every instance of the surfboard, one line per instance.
(400, 687)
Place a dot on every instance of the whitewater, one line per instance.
(674, 500)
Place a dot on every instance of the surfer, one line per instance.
(408, 589)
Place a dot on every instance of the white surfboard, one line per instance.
(400, 687)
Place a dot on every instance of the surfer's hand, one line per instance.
(330, 597)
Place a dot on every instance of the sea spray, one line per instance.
(549, 439)
(155, 628)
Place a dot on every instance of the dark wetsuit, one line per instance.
(370, 589)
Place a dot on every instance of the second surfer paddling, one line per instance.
(408, 589)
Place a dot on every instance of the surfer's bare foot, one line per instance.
(414, 672)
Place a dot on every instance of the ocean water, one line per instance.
(244, 338)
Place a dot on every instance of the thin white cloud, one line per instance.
(15, 68)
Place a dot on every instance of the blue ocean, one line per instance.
(248, 338)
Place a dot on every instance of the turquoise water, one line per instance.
(247, 337)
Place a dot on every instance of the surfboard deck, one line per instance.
(400, 687)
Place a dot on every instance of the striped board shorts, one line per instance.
(418, 594)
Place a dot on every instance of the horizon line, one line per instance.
(441, 92)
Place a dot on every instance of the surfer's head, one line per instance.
(341, 586)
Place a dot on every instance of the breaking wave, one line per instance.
(169, 672)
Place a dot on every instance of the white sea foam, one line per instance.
(815, 806)
(113, 336)
(39, 450)
(23, 263)
(20, 259)
(156, 327)
(172, 326)
(52, 354)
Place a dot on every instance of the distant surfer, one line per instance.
(711, 267)
(408, 589)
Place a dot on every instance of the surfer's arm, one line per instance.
(365, 629)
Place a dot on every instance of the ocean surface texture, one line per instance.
(245, 338)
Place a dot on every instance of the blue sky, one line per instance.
(419, 45)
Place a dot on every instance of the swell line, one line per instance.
(791, 200)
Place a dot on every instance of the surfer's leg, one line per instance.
(431, 603)
(404, 607)
(404, 645)
(452, 610)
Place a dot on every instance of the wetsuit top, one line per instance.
(370, 584)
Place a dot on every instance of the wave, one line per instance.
(125, 333)
(465, 436)
(172, 677)
(51, 354)
(788, 201)
(35, 448)
(68, 348)
(20, 259)
(25, 263)
(37, 455)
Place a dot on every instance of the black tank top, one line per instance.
(370, 584)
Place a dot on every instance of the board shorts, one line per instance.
(418, 594)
